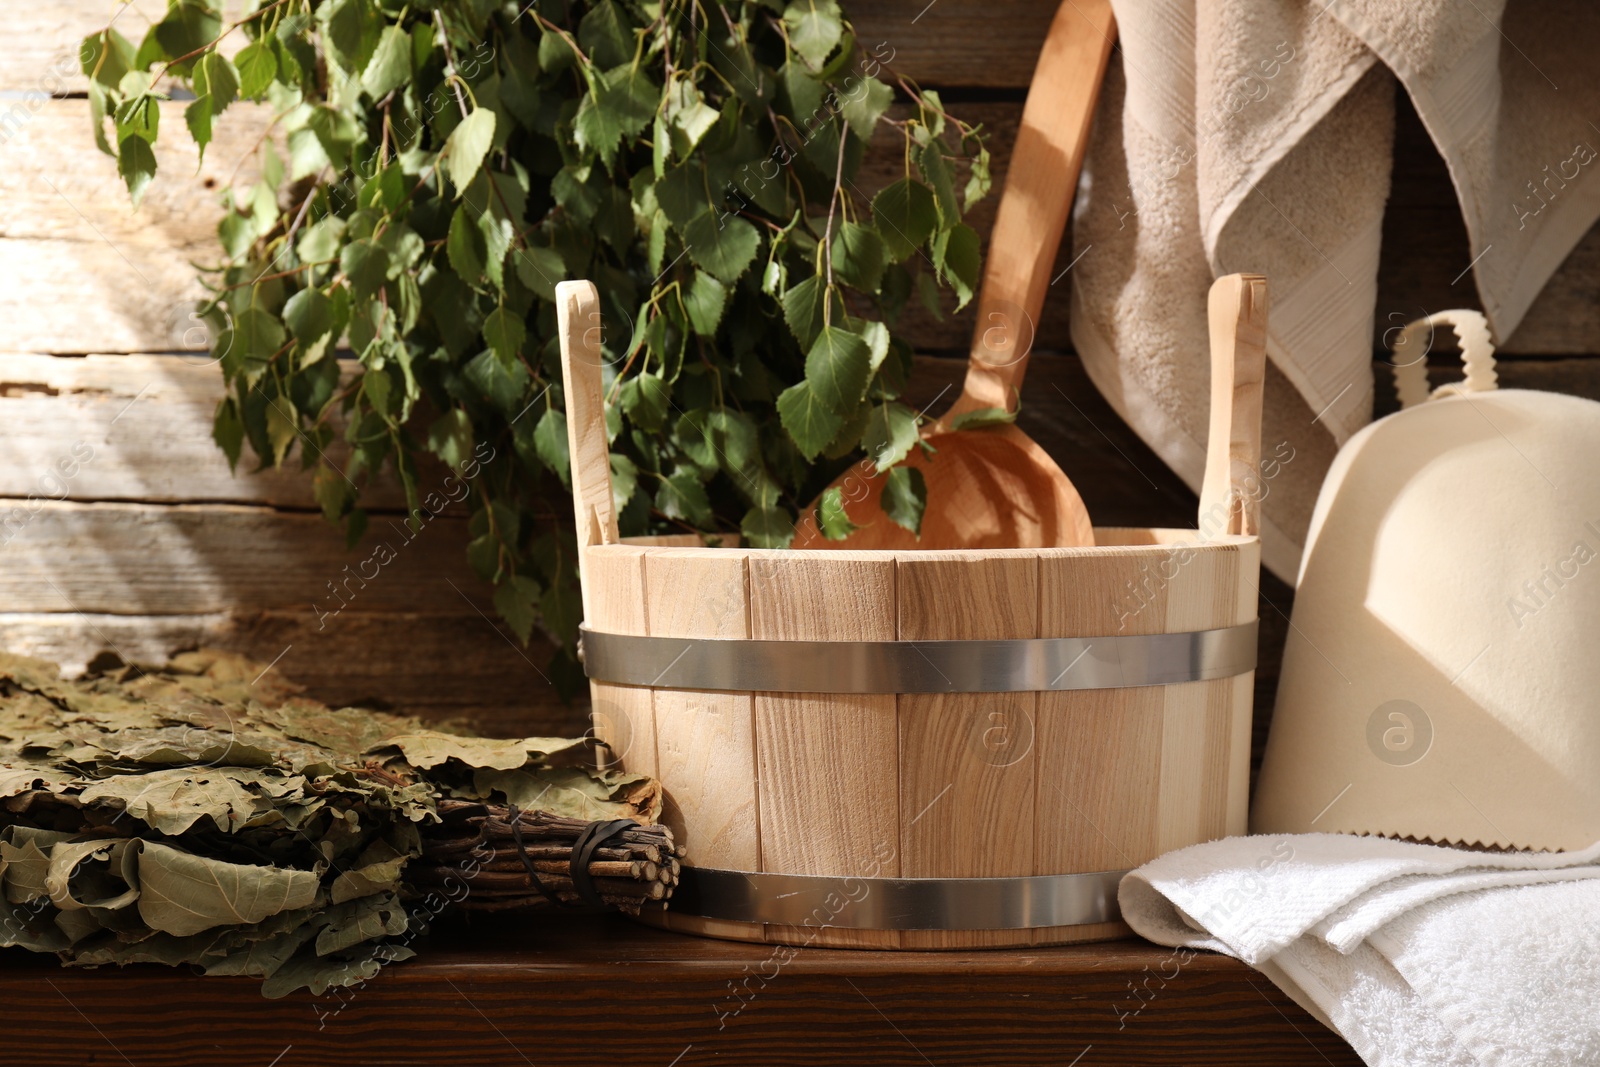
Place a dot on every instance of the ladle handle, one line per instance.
(1040, 184)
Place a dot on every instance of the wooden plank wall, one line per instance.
(151, 545)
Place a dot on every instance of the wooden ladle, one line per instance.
(994, 487)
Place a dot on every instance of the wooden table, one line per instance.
(555, 993)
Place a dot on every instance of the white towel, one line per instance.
(1417, 955)
(1255, 135)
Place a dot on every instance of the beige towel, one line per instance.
(1256, 135)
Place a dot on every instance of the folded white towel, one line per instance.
(1417, 955)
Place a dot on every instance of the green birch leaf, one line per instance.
(815, 29)
(863, 108)
(767, 528)
(188, 26)
(646, 399)
(624, 480)
(832, 520)
(906, 216)
(309, 316)
(540, 269)
(257, 67)
(333, 492)
(182, 894)
(959, 258)
(137, 165)
(811, 423)
(390, 65)
(550, 444)
(505, 384)
(497, 239)
(353, 30)
(517, 600)
(621, 103)
(105, 57)
(197, 116)
(450, 438)
(681, 496)
(336, 131)
(980, 417)
(469, 142)
(319, 242)
(803, 310)
(505, 332)
(890, 435)
(689, 116)
(258, 334)
(936, 170)
(466, 247)
(227, 430)
(858, 256)
(723, 248)
(704, 300)
(283, 426)
(905, 498)
(562, 610)
(837, 369)
(978, 181)
(216, 77)
(606, 35)
(555, 52)
(366, 264)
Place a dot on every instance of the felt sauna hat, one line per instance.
(1442, 675)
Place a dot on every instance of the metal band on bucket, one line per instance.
(1024, 665)
(899, 903)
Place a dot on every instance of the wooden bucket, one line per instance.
(925, 749)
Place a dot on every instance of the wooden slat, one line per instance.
(956, 42)
(967, 760)
(138, 427)
(434, 665)
(1200, 717)
(705, 742)
(143, 559)
(826, 762)
(623, 715)
(85, 271)
(1106, 818)
(586, 993)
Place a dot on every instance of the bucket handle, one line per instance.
(578, 323)
(1230, 496)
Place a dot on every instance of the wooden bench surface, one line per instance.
(561, 992)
